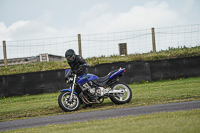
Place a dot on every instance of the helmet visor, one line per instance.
(70, 59)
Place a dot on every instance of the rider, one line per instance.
(76, 62)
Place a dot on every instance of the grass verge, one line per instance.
(54, 65)
(177, 122)
(13, 108)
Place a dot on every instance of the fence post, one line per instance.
(153, 40)
(5, 55)
(79, 44)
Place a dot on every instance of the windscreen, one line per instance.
(68, 72)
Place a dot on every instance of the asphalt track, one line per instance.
(103, 114)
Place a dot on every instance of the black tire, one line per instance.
(119, 98)
(65, 105)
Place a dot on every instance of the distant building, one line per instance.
(32, 59)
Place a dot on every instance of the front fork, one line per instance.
(74, 82)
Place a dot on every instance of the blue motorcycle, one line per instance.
(89, 89)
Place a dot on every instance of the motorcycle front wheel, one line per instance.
(121, 98)
(65, 103)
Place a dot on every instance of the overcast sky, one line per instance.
(32, 19)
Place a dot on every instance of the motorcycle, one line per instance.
(89, 89)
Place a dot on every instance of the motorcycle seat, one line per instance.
(101, 81)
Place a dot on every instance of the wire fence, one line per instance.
(105, 44)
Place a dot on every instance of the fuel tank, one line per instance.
(85, 78)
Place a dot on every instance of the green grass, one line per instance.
(145, 93)
(54, 65)
(172, 122)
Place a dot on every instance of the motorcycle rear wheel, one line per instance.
(121, 98)
(65, 103)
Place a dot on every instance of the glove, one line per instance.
(81, 67)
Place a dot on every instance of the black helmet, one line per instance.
(70, 55)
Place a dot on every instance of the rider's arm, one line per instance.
(82, 65)
(83, 62)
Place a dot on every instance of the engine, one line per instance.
(100, 91)
(93, 90)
